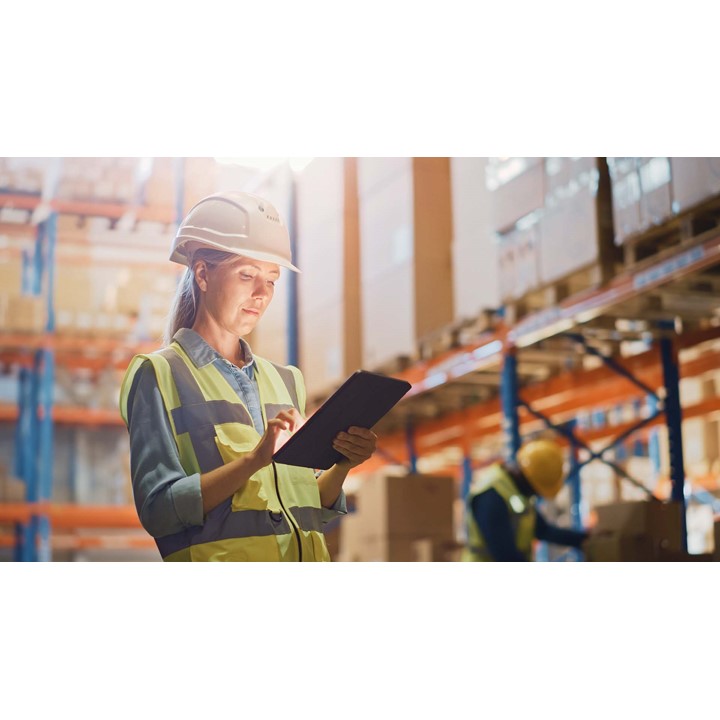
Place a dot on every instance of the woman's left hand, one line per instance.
(357, 445)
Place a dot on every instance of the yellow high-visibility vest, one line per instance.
(277, 515)
(520, 508)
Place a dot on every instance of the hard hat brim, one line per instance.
(179, 256)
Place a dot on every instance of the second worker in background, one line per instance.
(502, 520)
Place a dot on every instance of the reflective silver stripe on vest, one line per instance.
(288, 378)
(308, 518)
(222, 523)
(197, 416)
(272, 410)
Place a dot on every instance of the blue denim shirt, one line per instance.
(168, 500)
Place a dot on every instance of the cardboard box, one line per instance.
(660, 522)
(625, 183)
(507, 265)
(11, 276)
(351, 538)
(406, 263)
(616, 547)
(406, 519)
(476, 285)
(519, 257)
(161, 185)
(322, 334)
(517, 188)
(574, 229)
(12, 490)
(400, 548)
(26, 313)
(374, 173)
(388, 317)
(664, 555)
(322, 296)
(413, 506)
(656, 191)
(694, 180)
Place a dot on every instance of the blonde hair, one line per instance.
(187, 296)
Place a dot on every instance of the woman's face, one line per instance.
(237, 293)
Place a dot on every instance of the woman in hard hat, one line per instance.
(501, 517)
(205, 415)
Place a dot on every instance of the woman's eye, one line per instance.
(271, 283)
(245, 276)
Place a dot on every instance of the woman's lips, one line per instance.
(251, 312)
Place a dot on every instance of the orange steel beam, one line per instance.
(562, 394)
(8, 412)
(73, 343)
(114, 211)
(91, 542)
(69, 516)
(20, 202)
(397, 449)
(86, 417)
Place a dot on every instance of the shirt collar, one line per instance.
(201, 353)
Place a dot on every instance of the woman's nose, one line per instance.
(261, 290)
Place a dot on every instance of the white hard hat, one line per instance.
(235, 222)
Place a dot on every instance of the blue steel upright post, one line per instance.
(411, 447)
(673, 418)
(509, 397)
(46, 382)
(575, 490)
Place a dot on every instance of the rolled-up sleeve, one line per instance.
(167, 499)
(338, 508)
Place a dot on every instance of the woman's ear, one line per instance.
(200, 270)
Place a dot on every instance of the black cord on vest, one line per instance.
(290, 517)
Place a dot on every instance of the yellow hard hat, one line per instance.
(541, 462)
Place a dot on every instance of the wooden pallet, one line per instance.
(553, 294)
(675, 233)
(460, 333)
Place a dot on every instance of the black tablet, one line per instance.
(361, 401)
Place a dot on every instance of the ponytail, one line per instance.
(187, 296)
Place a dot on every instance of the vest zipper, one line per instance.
(289, 516)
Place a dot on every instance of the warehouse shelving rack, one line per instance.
(35, 414)
(457, 382)
(572, 322)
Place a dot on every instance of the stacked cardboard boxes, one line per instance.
(625, 182)
(551, 218)
(400, 519)
(576, 224)
(636, 532)
(406, 292)
(99, 179)
(23, 176)
(642, 193)
(329, 305)
(517, 189)
(12, 490)
(160, 187)
(26, 314)
(656, 190)
(203, 176)
(476, 285)
(694, 180)
(519, 257)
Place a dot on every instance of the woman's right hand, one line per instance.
(277, 433)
